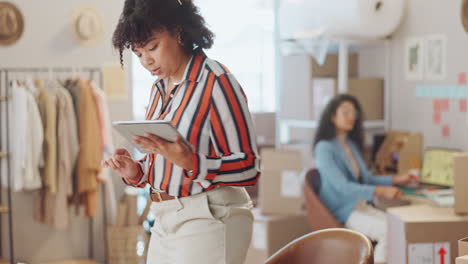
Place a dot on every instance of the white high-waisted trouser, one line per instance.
(373, 223)
(214, 227)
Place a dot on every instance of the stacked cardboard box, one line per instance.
(307, 87)
(424, 234)
(280, 187)
(280, 217)
(298, 84)
(462, 251)
(370, 94)
(265, 128)
(461, 183)
(272, 232)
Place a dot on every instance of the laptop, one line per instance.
(437, 171)
(436, 176)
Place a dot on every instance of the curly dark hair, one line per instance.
(327, 130)
(140, 18)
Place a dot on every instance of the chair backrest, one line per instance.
(317, 213)
(328, 246)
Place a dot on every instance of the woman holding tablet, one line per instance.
(202, 210)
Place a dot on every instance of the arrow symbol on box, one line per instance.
(442, 253)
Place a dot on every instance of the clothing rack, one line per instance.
(5, 77)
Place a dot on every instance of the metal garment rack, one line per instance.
(5, 78)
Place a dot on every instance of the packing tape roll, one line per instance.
(344, 18)
(464, 15)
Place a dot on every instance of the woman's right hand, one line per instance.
(388, 192)
(122, 163)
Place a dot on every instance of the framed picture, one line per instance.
(414, 51)
(435, 57)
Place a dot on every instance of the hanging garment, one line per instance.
(48, 109)
(26, 137)
(72, 86)
(67, 152)
(107, 149)
(89, 160)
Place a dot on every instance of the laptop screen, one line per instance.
(438, 166)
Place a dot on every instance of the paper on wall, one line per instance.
(421, 253)
(114, 82)
(259, 236)
(291, 184)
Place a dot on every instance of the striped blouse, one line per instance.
(209, 108)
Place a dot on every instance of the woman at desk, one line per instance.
(347, 186)
(202, 210)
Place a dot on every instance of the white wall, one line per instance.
(47, 41)
(409, 112)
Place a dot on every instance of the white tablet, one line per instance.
(161, 128)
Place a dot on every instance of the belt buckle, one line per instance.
(159, 196)
(158, 193)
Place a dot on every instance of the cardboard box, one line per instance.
(306, 150)
(462, 260)
(410, 155)
(297, 75)
(370, 93)
(463, 246)
(265, 128)
(273, 232)
(330, 67)
(409, 148)
(75, 261)
(460, 187)
(423, 232)
(296, 93)
(280, 187)
(323, 90)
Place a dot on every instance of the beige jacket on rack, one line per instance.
(89, 161)
(48, 108)
(68, 149)
(105, 175)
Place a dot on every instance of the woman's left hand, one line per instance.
(177, 151)
(406, 178)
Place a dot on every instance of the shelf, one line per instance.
(3, 155)
(315, 123)
(287, 124)
(321, 35)
(3, 210)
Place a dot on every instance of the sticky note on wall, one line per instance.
(462, 78)
(436, 117)
(436, 105)
(463, 105)
(445, 131)
(444, 105)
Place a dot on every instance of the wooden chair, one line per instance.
(327, 246)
